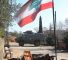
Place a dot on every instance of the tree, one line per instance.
(66, 24)
(50, 29)
(7, 7)
(49, 40)
(50, 36)
(66, 21)
(60, 26)
(40, 25)
(66, 39)
(4, 14)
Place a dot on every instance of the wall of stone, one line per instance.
(1, 48)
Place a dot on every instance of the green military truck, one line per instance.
(31, 38)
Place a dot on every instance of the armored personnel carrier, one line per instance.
(31, 38)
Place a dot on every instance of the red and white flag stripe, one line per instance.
(25, 16)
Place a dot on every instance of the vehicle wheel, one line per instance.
(21, 44)
(37, 43)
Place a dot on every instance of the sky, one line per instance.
(61, 8)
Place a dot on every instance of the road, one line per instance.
(32, 48)
(18, 50)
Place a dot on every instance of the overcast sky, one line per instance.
(61, 7)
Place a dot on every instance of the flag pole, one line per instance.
(54, 24)
(53, 9)
(55, 36)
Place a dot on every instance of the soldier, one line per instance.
(27, 55)
(8, 53)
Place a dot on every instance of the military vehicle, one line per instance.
(31, 38)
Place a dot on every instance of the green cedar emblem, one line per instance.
(35, 4)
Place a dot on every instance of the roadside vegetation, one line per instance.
(7, 9)
(10, 7)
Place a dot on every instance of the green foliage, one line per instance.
(40, 25)
(14, 33)
(4, 16)
(1, 32)
(50, 40)
(66, 39)
(7, 7)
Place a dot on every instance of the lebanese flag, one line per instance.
(29, 11)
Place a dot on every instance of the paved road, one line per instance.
(18, 51)
(32, 48)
